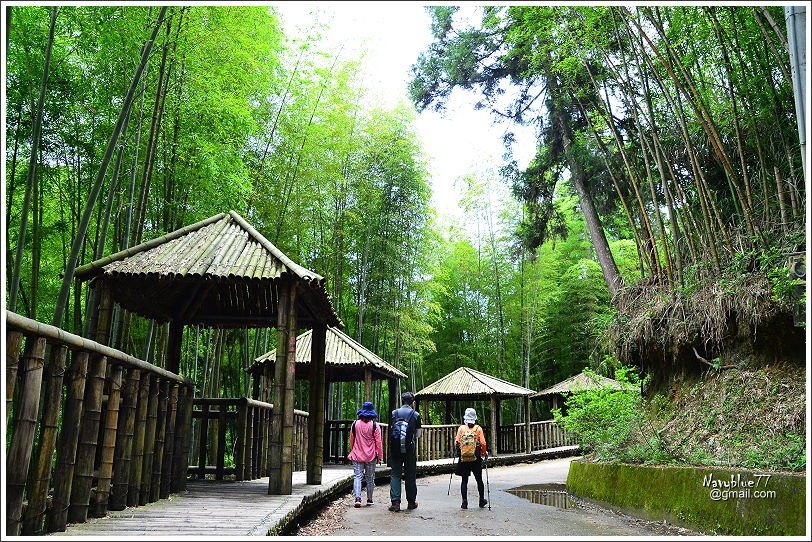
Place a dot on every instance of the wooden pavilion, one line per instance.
(557, 393)
(221, 272)
(346, 360)
(466, 384)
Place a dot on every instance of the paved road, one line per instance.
(440, 515)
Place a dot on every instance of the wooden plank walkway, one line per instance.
(227, 508)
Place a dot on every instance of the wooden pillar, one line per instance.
(88, 437)
(68, 442)
(25, 424)
(528, 445)
(447, 418)
(316, 405)
(325, 440)
(104, 317)
(275, 443)
(427, 411)
(288, 430)
(256, 374)
(174, 346)
(367, 384)
(124, 443)
(494, 444)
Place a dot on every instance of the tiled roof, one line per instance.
(466, 382)
(582, 381)
(341, 351)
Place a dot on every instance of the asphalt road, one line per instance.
(438, 514)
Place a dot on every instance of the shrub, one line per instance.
(603, 419)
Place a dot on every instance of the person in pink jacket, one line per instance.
(366, 450)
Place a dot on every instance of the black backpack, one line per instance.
(400, 428)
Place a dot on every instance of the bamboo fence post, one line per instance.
(137, 462)
(169, 442)
(160, 436)
(149, 441)
(124, 442)
(183, 435)
(105, 470)
(242, 436)
(41, 471)
(221, 442)
(14, 340)
(88, 437)
(68, 442)
(203, 440)
(315, 420)
(25, 424)
(249, 446)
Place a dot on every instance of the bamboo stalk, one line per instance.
(14, 340)
(88, 437)
(68, 442)
(139, 434)
(124, 442)
(169, 442)
(149, 441)
(183, 435)
(104, 473)
(52, 402)
(22, 440)
(242, 436)
(160, 438)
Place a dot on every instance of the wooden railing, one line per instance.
(437, 441)
(544, 435)
(232, 437)
(122, 440)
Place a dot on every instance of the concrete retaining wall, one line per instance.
(714, 500)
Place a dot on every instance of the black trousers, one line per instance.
(464, 470)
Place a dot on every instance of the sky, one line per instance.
(392, 34)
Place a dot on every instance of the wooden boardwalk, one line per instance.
(226, 508)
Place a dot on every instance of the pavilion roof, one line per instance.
(467, 383)
(582, 381)
(346, 358)
(219, 272)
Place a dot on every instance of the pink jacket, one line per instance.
(365, 446)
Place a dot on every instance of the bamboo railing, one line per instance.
(437, 441)
(231, 438)
(544, 435)
(101, 456)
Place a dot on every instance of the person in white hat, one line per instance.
(471, 448)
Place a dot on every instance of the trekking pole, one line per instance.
(453, 464)
(488, 482)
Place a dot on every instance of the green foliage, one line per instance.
(603, 419)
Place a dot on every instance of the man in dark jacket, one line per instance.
(404, 462)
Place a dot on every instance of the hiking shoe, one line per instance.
(464, 505)
(395, 506)
(412, 505)
(358, 502)
(369, 502)
(482, 503)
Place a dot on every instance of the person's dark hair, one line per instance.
(407, 398)
(471, 424)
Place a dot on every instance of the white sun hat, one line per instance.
(469, 416)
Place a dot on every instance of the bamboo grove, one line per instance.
(676, 127)
(666, 186)
(144, 120)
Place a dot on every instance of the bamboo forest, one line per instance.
(656, 235)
